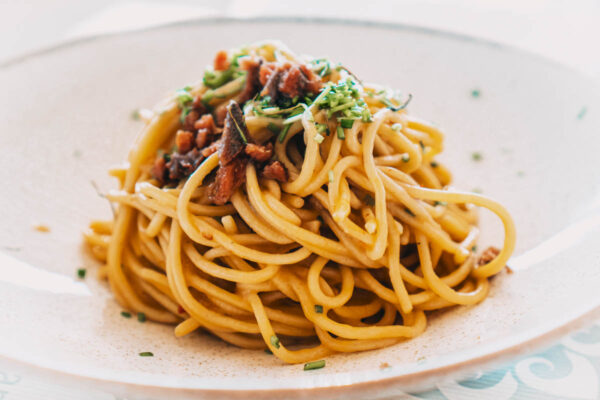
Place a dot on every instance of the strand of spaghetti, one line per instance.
(378, 248)
(323, 246)
(341, 298)
(276, 347)
(360, 311)
(323, 175)
(192, 306)
(393, 253)
(222, 238)
(354, 249)
(432, 231)
(510, 234)
(310, 157)
(350, 346)
(438, 286)
(350, 332)
(228, 274)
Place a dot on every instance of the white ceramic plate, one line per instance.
(65, 118)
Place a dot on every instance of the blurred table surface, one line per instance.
(561, 30)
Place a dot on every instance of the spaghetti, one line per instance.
(283, 204)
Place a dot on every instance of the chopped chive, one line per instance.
(347, 123)
(477, 190)
(268, 351)
(422, 145)
(474, 248)
(81, 273)
(476, 156)
(318, 309)
(582, 113)
(475, 93)
(319, 138)
(330, 175)
(237, 126)
(322, 128)
(273, 128)
(275, 341)
(434, 164)
(340, 133)
(370, 201)
(440, 203)
(146, 354)
(135, 115)
(397, 127)
(314, 365)
(141, 317)
(409, 212)
(283, 133)
(126, 314)
(187, 88)
(405, 157)
(183, 98)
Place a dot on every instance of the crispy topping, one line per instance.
(234, 135)
(184, 140)
(275, 170)
(258, 152)
(221, 62)
(488, 255)
(229, 178)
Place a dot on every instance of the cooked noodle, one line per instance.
(349, 254)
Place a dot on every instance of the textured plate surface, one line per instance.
(65, 118)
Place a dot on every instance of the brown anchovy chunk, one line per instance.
(182, 165)
(488, 255)
(234, 136)
(229, 178)
(259, 153)
(275, 170)
(252, 86)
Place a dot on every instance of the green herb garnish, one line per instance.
(268, 351)
(283, 133)
(405, 157)
(146, 354)
(476, 156)
(318, 309)
(126, 314)
(440, 203)
(135, 115)
(81, 273)
(275, 342)
(273, 128)
(582, 113)
(340, 133)
(141, 317)
(346, 123)
(475, 93)
(394, 108)
(314, 365)
(422, 145)
(319, 138)
(474, 248)
(237, 127)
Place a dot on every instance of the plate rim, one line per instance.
(468, 361)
